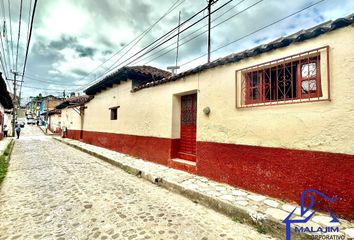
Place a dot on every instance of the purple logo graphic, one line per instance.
(307, 211)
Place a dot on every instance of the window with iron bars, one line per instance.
(288, 80)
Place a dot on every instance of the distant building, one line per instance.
(47, 104)
(71, 116)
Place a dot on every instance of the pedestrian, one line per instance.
(6, 129)
(18, 130)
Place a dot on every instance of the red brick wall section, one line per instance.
(149, 148)
(276, 172)
(281, 173)
(73, 134)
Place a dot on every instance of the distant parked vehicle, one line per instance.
(21, 122)
(31, 121)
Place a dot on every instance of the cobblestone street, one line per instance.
(53, 191)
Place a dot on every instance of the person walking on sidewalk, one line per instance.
(18, 130)
(6, 129)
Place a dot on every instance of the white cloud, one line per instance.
(100, 28)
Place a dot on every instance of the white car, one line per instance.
(31, 121)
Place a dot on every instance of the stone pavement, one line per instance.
(244, 206)
(53, 191)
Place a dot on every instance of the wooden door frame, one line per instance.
(186, 155)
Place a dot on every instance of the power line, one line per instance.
(161, 38)
(253, 32)
(12, 46)
(9, 57)
(200, 34)
(2, 65)
(153, 48)
(157, 41)
(124, 54)
(47, 89)
(159, 44)
(140, 35)
(4, 34)
(3, 53)
(29, 18)
(19, 34)
(28, 41)
(259, 29)
(53, 83)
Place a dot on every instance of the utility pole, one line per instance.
(179, 25)
(176, 67)
(15, 107)
(209, 23)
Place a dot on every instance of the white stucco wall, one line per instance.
(70, 119)
(145, 113)
(55, 121)
(324, 126)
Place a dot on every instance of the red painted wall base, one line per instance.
(149, 148)
(276, 172)
(73, 134)
(281, 173)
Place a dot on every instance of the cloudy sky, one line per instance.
(76, 42)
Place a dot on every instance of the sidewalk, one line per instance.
(263, 212)
(45, 130)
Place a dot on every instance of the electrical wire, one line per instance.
(4, 54)
(156, 46)
(180, 32)
(29, 18)
(28, 42)
(18, 35)
(200, 34)
(4, 35)
(173, 7)
(157, 42)
(52, 83)
(151, 44)
(47, 89)
(12, 46)
(124, 54)
(255, 31)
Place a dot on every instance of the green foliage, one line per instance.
(4, 163)
(260, 228)
(237, 219)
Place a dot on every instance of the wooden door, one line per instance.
(187, 146)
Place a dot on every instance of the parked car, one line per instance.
(31, 121)
(21, 122)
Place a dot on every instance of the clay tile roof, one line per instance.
(74, 101)
(139, 73)
(52, 112)
(278, 43)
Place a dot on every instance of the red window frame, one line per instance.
(252, 90)
(266, 89)
(316, 77)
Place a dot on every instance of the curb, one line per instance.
(8, 157)
(240, 214)
(48, 133)
(42, 130)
